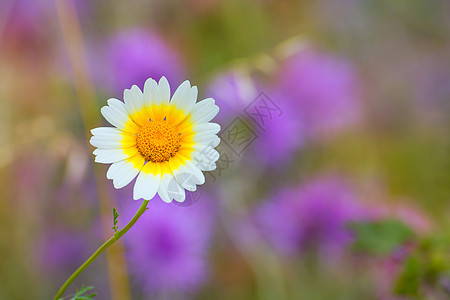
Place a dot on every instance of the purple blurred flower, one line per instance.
(322, 90)
(314, 215)
(61, 251)
(135, 55)
(24, 22)
(282, 135)
(432, 89)
(168, 247)
(235, 92)
(29, 21)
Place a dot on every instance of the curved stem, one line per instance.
(102, 248)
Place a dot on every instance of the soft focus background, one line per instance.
(334, 176)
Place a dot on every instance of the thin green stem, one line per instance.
(102, 248)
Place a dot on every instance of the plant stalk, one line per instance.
(100, 250)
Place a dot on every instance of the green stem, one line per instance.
(102, 248)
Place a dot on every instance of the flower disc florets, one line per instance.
(158, 141)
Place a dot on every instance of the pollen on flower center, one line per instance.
(158, 141)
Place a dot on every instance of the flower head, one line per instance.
(166, 142)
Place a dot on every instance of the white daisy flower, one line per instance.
(166, 142)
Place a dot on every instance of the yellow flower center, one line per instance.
(158, 141)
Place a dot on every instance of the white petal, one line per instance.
(206, 139)
(116, 114)
(134, 103)
(150, 92)
(180, 196)
(163, 191)
(214, 142)
(206, 128)
(185, 97)
(188, 176)
(204, 111)
(163, 95)
(122, 173)
(210, 167)
(205, 157)
(170, 189)
(198, 175)
(175, 191)
(111, 138)
(108, 156)
(134, 99)
(146, 185)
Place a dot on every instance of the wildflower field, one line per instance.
(225, 149)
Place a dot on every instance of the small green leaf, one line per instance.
(408, 283)
(81, 294)
(115, 220)
(380, 237)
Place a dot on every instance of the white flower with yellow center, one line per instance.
(165, 142)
